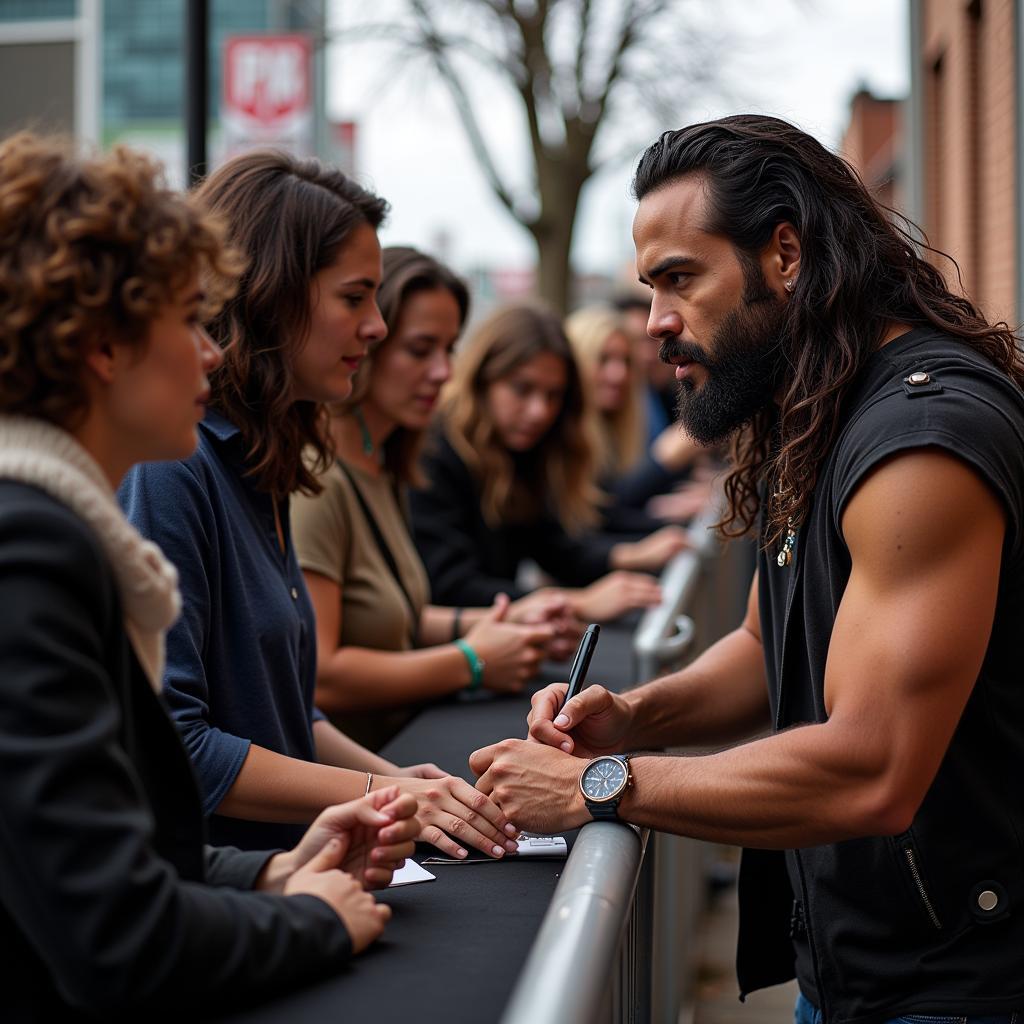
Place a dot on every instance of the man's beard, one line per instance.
(744, 374)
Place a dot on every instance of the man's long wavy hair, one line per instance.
(558, 473)
(406, 271)
(92, 248)
(291, 218)
(860, 272)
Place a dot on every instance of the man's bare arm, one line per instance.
(925, 535)
(720, 698)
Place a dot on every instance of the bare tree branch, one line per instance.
(582, 72)
(582, 47)
(439, 54)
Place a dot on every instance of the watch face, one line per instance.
(603, 779)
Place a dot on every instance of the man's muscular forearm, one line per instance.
(721, 698)
(814, 784)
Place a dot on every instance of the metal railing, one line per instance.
(615, 944)
(565, 978)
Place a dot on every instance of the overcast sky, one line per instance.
(803, 60)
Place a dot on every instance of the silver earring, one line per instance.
(790, 284)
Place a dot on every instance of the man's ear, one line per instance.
(780, 260)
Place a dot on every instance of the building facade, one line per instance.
(873, 143)
(113, 70)
(965, 141)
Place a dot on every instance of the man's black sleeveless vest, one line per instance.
(931, 920)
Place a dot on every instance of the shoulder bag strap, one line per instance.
(385, 550)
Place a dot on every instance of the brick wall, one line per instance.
(872, 139)
(969, 114)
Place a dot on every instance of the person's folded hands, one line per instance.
(376, 833)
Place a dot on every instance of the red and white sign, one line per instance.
(343, 135)
(268, 92)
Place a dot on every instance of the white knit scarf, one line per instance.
(35, 452)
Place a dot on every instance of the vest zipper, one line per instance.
(922, 891)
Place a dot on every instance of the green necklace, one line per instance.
(365, 431)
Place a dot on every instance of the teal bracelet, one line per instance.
(476, 664)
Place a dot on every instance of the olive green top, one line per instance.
(333, 538)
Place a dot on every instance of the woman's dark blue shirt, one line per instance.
(241, 660)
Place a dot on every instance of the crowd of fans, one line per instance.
(288, 488)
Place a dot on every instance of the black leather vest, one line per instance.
(931, 920)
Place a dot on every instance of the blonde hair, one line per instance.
(562, 463)
(620, 433)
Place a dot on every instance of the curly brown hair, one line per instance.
(291, 217)
(861, 270)
(91, 249)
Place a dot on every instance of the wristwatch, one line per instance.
(602, 784)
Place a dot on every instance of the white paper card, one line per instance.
(543, 846)
(410, 873)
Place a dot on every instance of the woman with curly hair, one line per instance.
(110, 903)
(241, 666)
(510, 478)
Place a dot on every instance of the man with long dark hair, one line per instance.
(877, 422)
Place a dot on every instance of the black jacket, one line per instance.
(110, 904)
(470, 562)
(930, 921)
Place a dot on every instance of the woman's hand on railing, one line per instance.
(683, 504)
(596, 721)
(614, 595)
(652, 553)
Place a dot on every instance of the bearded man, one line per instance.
(878, 450)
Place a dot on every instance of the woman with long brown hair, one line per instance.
(111, 904)
(383, 647)
(510, 478)
(242, 659)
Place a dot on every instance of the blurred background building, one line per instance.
(874, 143)
(947, 152)
(949, 155)
(113, 70)
(968, 136)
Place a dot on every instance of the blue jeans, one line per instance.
(807, 1013)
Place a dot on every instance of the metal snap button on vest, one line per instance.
(919, 377)
(988, 900)
(295, 594)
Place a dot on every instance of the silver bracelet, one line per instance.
(369, 782)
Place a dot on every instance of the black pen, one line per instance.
(581, 663)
